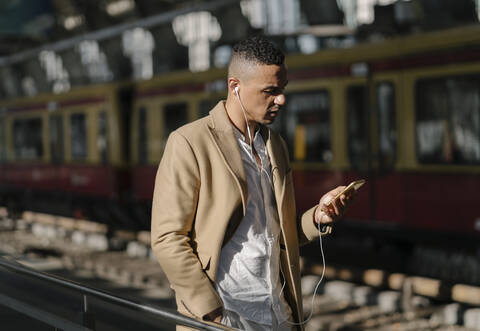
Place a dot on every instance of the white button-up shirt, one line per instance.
(248, 279)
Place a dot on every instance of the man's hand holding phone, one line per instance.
(334, 204)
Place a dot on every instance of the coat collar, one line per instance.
(222, 132)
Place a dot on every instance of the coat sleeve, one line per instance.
(309, 230)
(175, 200)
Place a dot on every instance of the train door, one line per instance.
(359, 145)
(55, 123)
(386, 183)
(371, 141)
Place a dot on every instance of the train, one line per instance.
(402, 113)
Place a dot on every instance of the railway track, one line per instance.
(348, 299)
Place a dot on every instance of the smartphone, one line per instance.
(355, 185)
(352, 186)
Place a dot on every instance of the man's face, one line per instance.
(262, 93)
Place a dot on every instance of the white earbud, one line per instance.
(250, 136)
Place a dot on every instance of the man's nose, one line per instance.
(280, 99)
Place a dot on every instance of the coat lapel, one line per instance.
(277, 159)
(222, 133)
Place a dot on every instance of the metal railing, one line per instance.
(88, 317)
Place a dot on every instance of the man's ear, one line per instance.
(233, 83)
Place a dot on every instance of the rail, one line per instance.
(88, 318)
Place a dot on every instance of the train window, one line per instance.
(56, 138)
(78, 136)
(102, 140)
(448, 120)
(387, 133)
(175, 115)
(27, 139)
(357, 124)
(142, 136)
(305, 125)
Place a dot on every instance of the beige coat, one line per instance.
(200, 198)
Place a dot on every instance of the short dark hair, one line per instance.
(258, 49)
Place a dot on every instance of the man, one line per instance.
(224, 227)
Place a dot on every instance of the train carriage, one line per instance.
(64, 153)
(402, 113)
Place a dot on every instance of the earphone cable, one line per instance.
(316, 287)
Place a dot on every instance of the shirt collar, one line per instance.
(241, 136)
